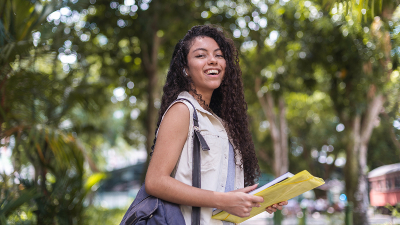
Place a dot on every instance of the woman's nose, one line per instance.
(212, 60)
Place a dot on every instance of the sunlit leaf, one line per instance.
(94, 179)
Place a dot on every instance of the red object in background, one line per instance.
(385, 185)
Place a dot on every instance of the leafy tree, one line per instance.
(34, 103)
(335, 55)
(359, 65)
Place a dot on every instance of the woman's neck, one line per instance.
(204, 101)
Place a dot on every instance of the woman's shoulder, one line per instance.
(177, 117)
(184, 98)
(178, 109)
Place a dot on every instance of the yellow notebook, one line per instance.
(282, 191)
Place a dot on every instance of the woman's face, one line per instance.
(206, 65)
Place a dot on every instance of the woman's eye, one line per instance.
(199, 56)
(221, 56)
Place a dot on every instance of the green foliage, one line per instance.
(98, 215)
(10, 205)
(22, 216)
(363, 11)
(59, 175)
(394, 209)
(18, 20)
(313, 130)
(32, 116)
(93, 180)
(285, 60)
(382, 149)
(11, 201)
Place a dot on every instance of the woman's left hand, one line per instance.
(274, 207)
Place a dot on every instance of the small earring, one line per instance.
(184, 71)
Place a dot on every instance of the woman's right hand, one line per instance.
(239, 203)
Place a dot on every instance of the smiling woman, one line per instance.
(204, 72)
(206, 66)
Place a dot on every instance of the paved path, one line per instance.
(337, 219)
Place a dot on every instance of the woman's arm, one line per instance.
(171, 138)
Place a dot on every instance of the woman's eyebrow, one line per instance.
(199, 49)
(203, 49)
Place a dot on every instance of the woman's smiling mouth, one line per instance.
(212, 72)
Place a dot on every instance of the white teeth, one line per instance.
(212, 72)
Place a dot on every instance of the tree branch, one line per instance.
(267, 104)
(374, 108)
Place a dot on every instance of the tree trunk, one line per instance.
(284, 137)
(151, 110)
(356, 164)
(150, 66)
(278, 128)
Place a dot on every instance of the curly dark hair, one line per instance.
(227, 101)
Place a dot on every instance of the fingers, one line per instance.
(284, 203)
(273, 208)
(270, 209)
(257, 199)
(247, 189)
(248, 207)
(245, 212)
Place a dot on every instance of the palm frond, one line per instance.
(10, 50)
(10, 204)
(19, 19)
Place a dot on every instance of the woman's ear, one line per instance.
(184, 72)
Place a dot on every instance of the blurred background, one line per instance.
(81, 82)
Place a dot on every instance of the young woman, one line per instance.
(205, 70)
